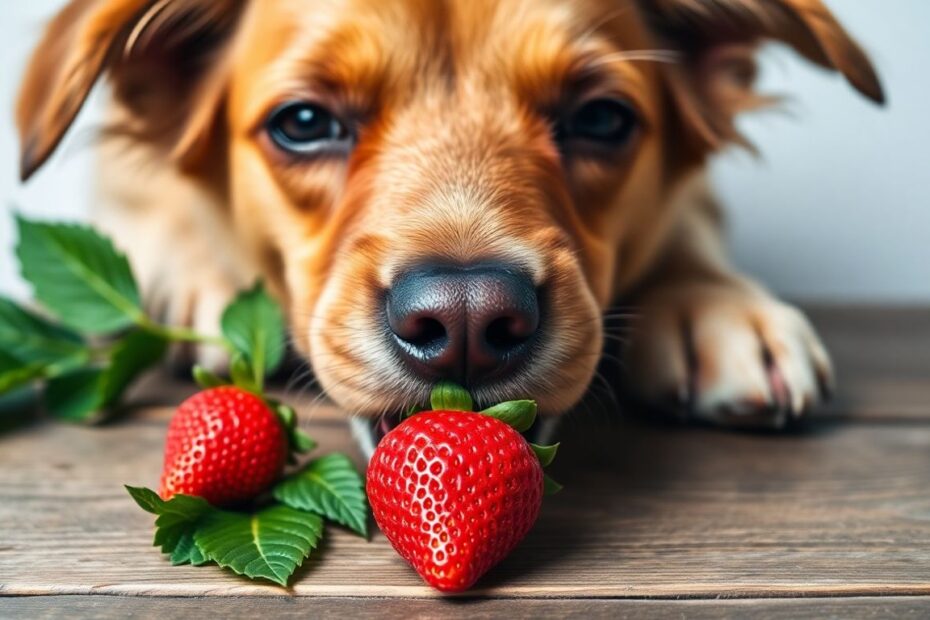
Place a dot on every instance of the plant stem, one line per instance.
(183, 334)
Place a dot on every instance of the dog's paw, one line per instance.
(195, 303)
(727, 354)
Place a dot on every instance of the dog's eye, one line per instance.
(304, 128)
(608, 121)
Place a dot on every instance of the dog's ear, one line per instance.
(718, 38)
(168, 46)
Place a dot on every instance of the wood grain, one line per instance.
(840, 509)
(107, 607)
(647, 512)
(882, 359)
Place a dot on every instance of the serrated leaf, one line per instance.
(269, 544)
(450, 397)
(80, 395)
(550, 486)
(186, 550)
(79, 276)
(31, 338)
(206, 379)
(330, 486)
(177, 519)
(518, 414)
(545, 454)
(254, 324)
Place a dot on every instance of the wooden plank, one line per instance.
(647, 512)
(882, 358)
(105, 607)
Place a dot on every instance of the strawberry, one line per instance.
(224, 444)
(455, 491)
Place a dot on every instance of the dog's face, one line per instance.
(445, 189)
(443, 184)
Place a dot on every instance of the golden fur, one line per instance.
(454, 158)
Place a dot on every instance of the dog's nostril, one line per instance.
(427, 332)
(506, 333)
(467, 323)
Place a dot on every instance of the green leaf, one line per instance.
(330, 486)
(30, 338)
(147, 499)
(76, 396)
(269, 544)
(80, 395)
(206, 379)
(450, 397)
(177, 520)
(545, 454)
(15, 373)
(519, 414)
(254, 324)
(186, 550)
(241, 373)
(135, 353)
(298, 441)
(301, 442)
(286, 414)
(78, 275)
(32, 348)
(178, 517)
(550, 486)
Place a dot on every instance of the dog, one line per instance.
(447, 189)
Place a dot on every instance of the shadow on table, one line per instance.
(19, 409)
(622, 474)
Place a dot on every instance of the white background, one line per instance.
(837, 209)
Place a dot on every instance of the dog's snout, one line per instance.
(468, 324)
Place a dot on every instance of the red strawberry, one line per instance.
(225, 445)
(454, 492)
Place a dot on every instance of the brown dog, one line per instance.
(447, 188)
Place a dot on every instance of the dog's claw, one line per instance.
(740, 358)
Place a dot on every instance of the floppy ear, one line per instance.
(717, 39)
(144, 45)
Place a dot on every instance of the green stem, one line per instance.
(182, 334)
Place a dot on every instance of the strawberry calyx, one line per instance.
(517, 414)
(207, 379)
(298, 441)
(545, 454)
(448, 396)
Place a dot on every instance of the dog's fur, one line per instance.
(455, 158)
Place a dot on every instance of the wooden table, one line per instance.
(831, 520)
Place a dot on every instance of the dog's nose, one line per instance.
(468, 324)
